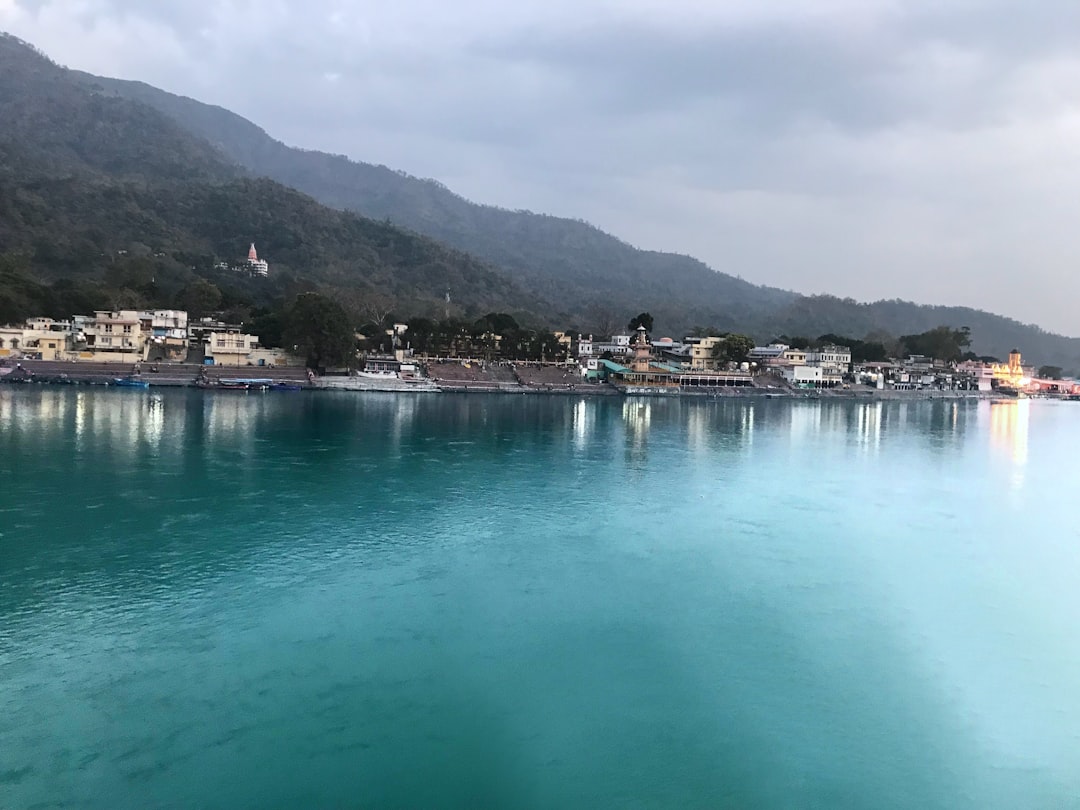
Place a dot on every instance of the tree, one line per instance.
(641, 319)
(268, 326)
(320, 330)
(861, 350)
(497, 322)
(941, 343)
(200, 298)
(734, 348)
(797, 342)
(1050, 372)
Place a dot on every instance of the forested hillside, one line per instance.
(115, 193)
(105, 201)
(593, 276)
(590, 273)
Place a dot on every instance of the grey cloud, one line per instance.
(763, 77)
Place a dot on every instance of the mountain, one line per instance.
(116, 189)
(586, 270)
(112, 196)
(592, 275)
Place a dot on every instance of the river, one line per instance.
(281, 600)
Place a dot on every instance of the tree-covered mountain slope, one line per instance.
(591, 275)
(108, 191)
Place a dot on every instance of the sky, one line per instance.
(866, 148)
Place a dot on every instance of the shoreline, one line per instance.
(589, 391)
(186, 376)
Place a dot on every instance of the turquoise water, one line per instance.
(366, 601)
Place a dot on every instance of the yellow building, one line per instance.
(38, 338)
(703, 352)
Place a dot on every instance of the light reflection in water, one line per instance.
(748, 425)
(869, 425)
(637, 414)
(582, 423)
(1009, 434)
(805, 419)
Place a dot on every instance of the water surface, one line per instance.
(362, 600)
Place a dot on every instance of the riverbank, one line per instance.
(466, 381)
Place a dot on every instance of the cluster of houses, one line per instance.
(130, 336)
(697, 362)
(633, 360)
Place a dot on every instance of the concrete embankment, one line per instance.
(167, 374)
(454, 377)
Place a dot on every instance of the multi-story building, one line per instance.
(38, 338)
(229, 347)
(116, 335)
(702, 352)
(836, 359)
(168, 334)
(618, 345)
(768, 355)
(255, 265)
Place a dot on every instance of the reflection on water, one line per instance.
(868, 425)
(637, 414)
(1009, 425)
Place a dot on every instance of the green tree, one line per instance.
(269, 326)
(1050, 372)
(941, 343)
(498, 322)
(734, 348)
(641, 319)
(320, 330)
(200, 298)
(796, 342)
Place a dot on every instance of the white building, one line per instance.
(167, 337)
(798, 375)
(619, 345)
(255, 265)
(169, 323)
(831, 358)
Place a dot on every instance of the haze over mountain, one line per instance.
(564, 272)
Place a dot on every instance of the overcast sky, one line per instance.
(871, 148)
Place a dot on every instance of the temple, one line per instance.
(257, 266)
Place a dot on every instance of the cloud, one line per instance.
(877, 148)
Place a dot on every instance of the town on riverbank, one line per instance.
(138, 348)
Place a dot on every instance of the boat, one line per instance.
(282, 386)
(130, 382)
(246, 383)
(379, 374)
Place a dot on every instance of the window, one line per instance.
(127, 330)
(108, 328)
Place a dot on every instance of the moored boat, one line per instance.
(129, 382)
